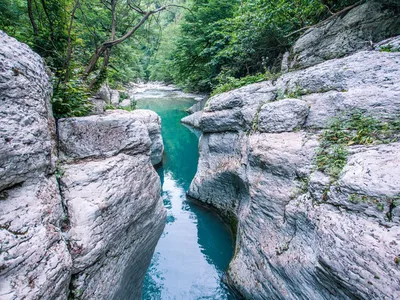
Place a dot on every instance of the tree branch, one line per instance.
(346, 9)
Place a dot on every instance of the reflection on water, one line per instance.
(196, 246)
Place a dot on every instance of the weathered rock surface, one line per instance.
(88, 228)
(193, 119)
(103, 98)
(115, 219)
(281, 116)
(302, 234)
(389, 45)
(112, 195)
(347, 33)
(111, 133)
(34, 259)
(27, 127)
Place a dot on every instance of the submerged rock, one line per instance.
(301, 233)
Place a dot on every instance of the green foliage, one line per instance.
(123, 96)
(359, 129)
(227, 83)
(234, 39)
(71, 100)
(389, 48)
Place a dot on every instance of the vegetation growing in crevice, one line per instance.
(227, 83)
(358, 129)
(379, 202)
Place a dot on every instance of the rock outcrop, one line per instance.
(346, 33)
(104, 98)
(83, 226)
(303, 233)
(34, 259)
(112, 195)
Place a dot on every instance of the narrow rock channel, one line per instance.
(196, 246)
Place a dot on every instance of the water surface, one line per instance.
(195, 247)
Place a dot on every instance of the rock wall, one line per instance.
(85, 225)
(34, 259)
(301, 233)
(346, 33)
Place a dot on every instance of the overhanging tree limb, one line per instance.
(328, 19)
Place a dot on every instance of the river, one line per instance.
(196, 246)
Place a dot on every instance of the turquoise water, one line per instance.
(195, 247)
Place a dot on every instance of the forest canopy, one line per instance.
(200, 45)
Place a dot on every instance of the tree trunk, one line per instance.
(32, 19)
(109, 44)
(69, 50)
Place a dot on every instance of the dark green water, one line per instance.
(196, 247)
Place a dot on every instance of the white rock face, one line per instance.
(112, 195)
(34, 259)
(114, 132)
(27, 127)
(115, 218)
(300, 233)
(281, 116)
(91, 233)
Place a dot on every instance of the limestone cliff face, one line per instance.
(111, 193)
(87, 226)
(301, 233)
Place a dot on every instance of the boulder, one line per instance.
(103, 98)
(111, 192)
(352, 31)
(113, 132)
(34, 258)
(28, 129)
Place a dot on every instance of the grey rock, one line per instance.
(345, 34)
(193, 119)
(93, 236)
(35, 262)
(390, 45)
(300, 233)
(105, 96)
(367, 82)
(34, 259)
(153, 123)
(285, 62)
(198, 106)
(285, 115)
(109, 134)
(116, 217)
(27, 129)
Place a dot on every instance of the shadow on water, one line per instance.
(196, 246)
